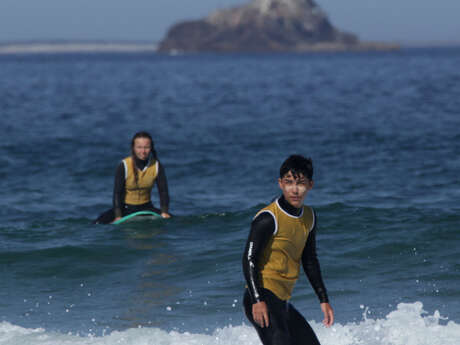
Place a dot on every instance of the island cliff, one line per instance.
(264, 26)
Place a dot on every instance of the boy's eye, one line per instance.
(292, 182)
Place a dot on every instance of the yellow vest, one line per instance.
(280, 264)
(139, 193)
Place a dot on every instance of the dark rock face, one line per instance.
(260, 26)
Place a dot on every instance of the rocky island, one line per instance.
(264, 26)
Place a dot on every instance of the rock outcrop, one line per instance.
(261, 26)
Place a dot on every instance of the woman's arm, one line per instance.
(162, 184)
(119, 191)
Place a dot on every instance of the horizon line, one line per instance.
(133, 46)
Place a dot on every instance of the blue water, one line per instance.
(383, 130)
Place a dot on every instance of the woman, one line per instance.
(134, 180)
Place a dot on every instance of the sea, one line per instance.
(382, 128)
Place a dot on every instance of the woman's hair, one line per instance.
(133, 155)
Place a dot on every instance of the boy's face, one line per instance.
(295, 189)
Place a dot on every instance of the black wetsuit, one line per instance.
(120, 209)
(286, 325)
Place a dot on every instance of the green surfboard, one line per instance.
(137, 216)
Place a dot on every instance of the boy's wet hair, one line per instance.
(297, 164)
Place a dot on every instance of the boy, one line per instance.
(282, 235)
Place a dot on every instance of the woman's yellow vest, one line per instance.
(139, 193)
(280, 264)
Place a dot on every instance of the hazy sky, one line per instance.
(404, 21)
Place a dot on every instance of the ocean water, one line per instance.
(383, 130)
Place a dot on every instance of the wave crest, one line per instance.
(409, 324)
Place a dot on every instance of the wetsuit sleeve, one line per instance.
(162, 184)
(119, 190)
(311, 267)
(262, 229)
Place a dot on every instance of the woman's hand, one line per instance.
(116, 218)
(165, 215)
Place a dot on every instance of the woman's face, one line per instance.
(142, 148)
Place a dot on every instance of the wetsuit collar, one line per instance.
(288, 208)
(141, 164)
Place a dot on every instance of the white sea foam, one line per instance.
(407, 325)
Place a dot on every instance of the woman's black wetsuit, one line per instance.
(286, 325)
(120, 209)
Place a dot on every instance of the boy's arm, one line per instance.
(262, 229)
(312, 269)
